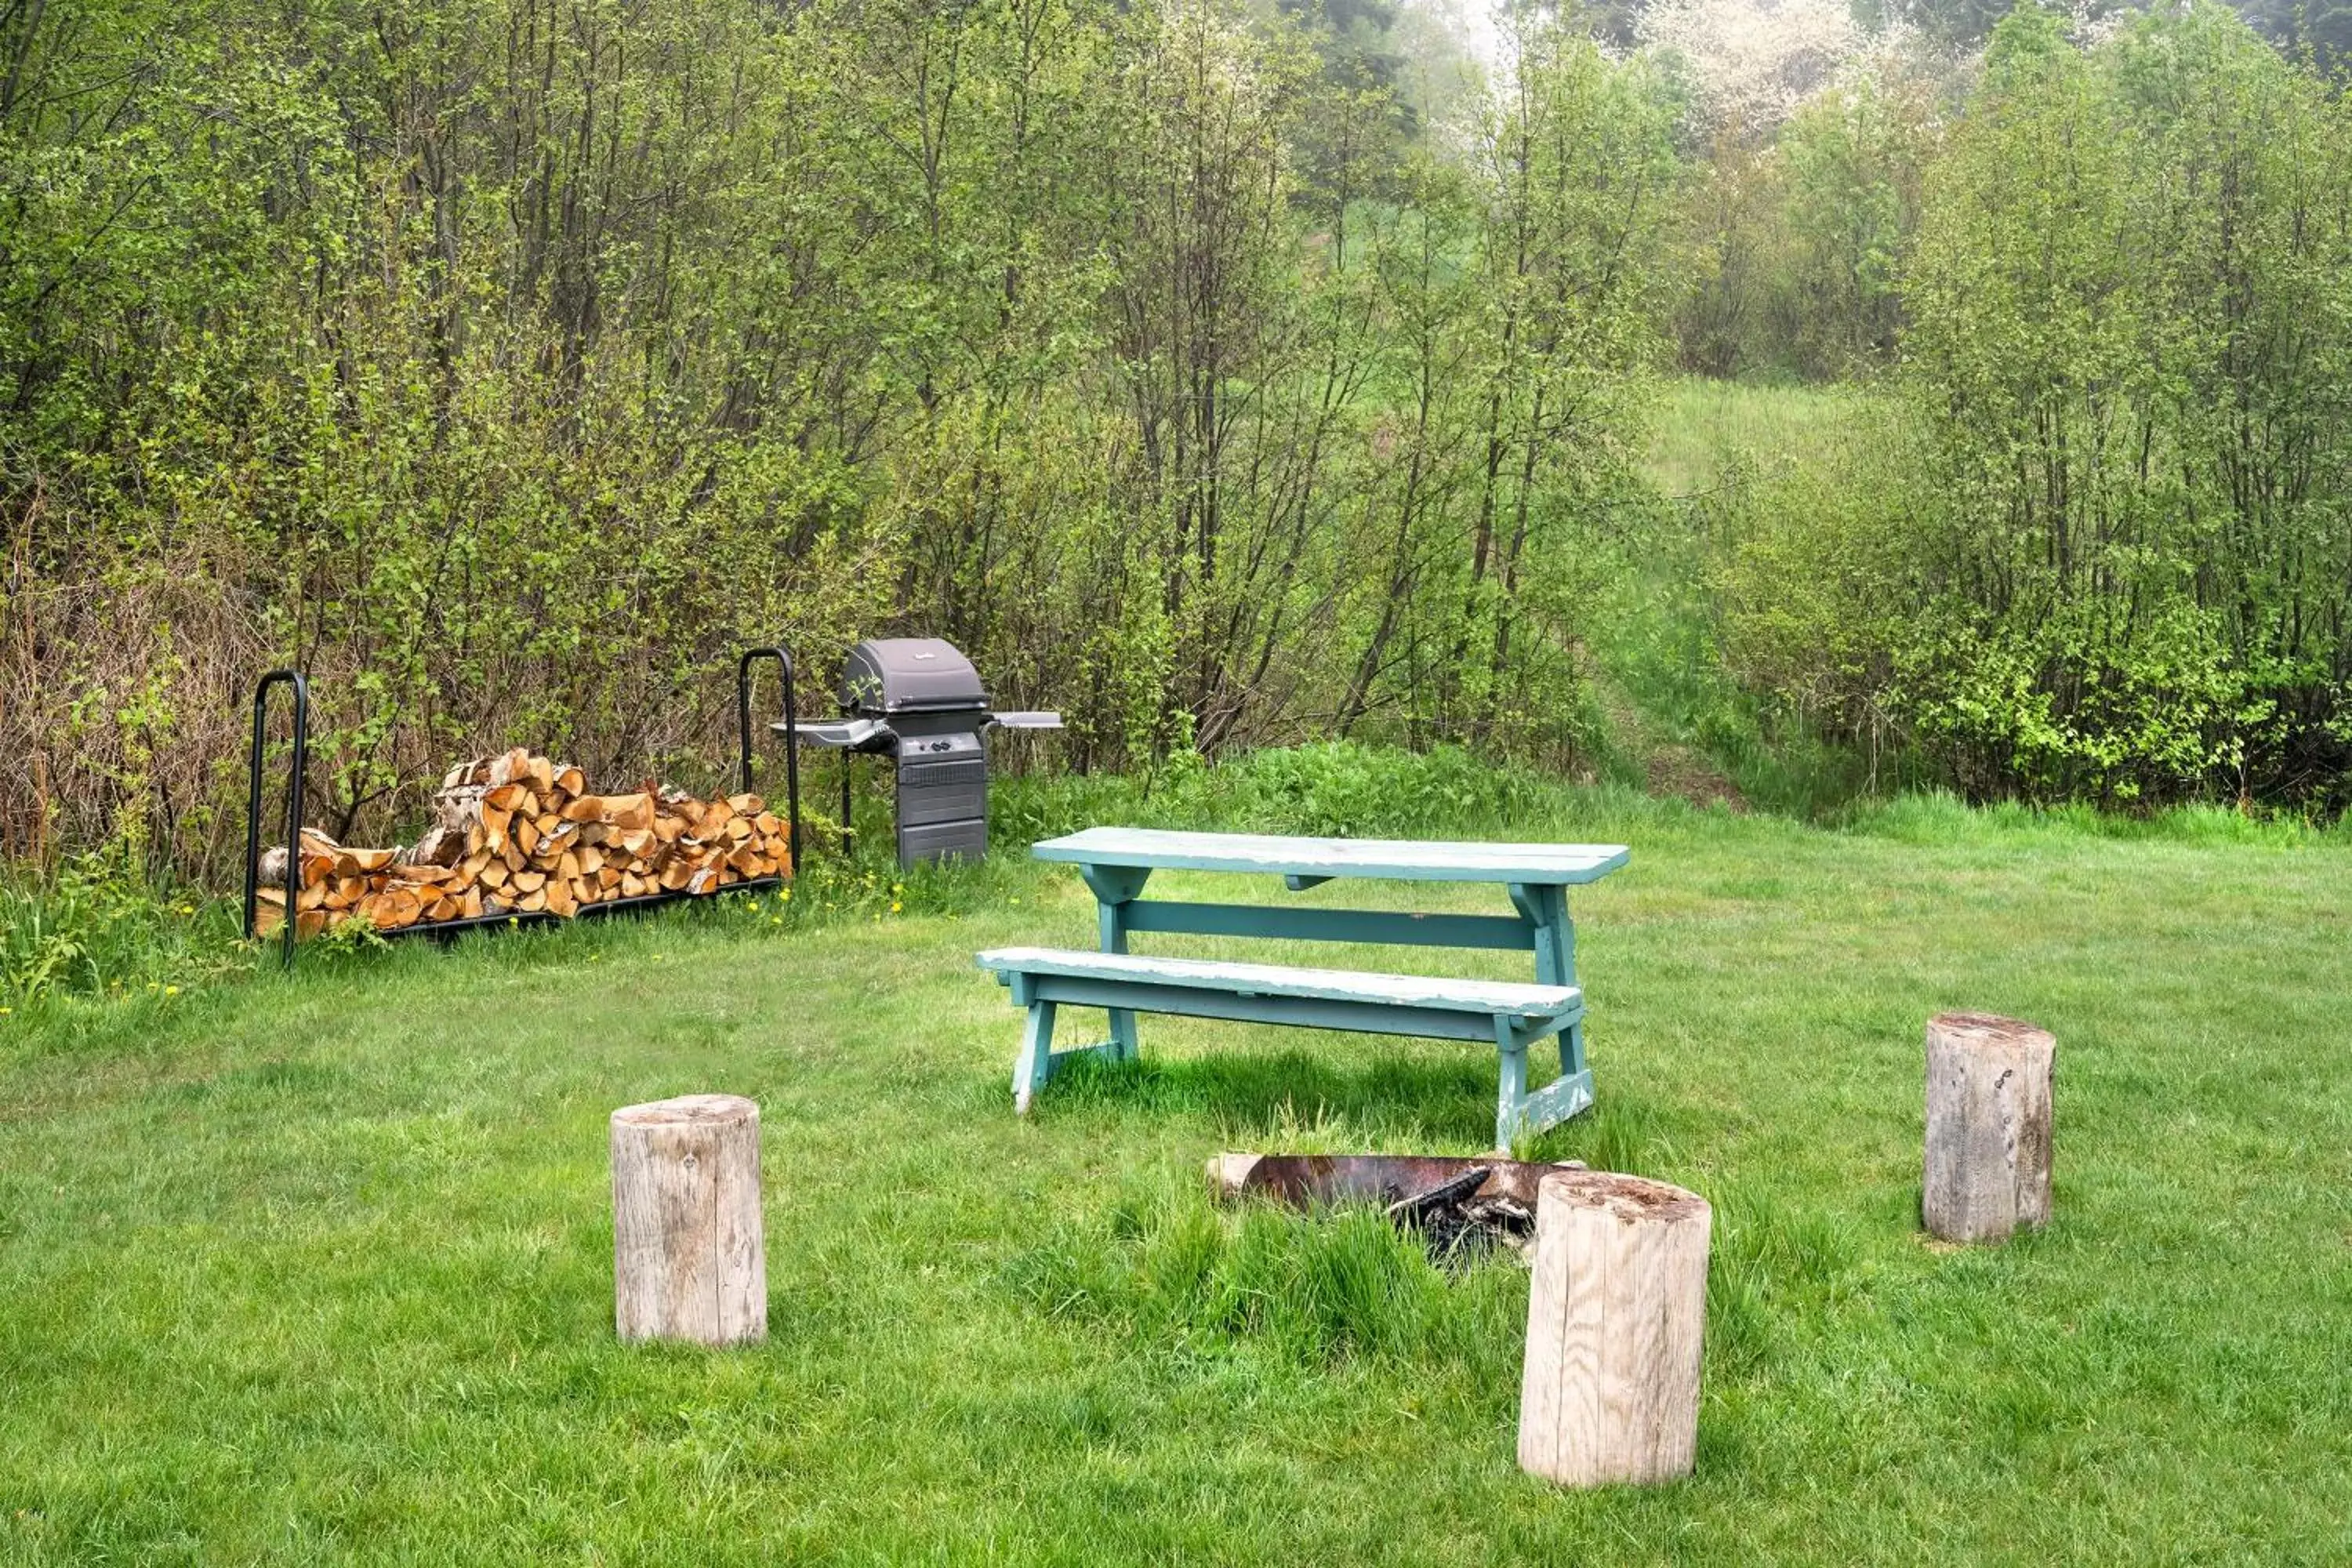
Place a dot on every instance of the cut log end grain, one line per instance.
(520, 834)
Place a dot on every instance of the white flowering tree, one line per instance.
(1747, 64)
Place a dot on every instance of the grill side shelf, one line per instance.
(839, 735)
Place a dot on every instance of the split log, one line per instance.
(393, 908)
(518, 832)
(688, 1256)
(317, 860)
(438, 846)
(1989, 1118)
(1616, 1309)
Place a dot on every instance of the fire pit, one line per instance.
(1461, 1207)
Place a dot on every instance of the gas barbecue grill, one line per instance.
(919, 700)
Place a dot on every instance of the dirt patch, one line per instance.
(1670, 768)
(1679, 771)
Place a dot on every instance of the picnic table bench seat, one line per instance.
(1512, 1014)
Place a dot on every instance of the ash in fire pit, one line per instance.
(1451, 1218)
(1463, 1208)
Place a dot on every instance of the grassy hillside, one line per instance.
(1699, 425)
(1678, 723)
(318, 1269)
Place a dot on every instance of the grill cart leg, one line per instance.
(848, 845)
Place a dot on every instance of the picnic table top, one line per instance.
(1403, 860)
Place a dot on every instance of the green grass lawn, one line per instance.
(319, 1268)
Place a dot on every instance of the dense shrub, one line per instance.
(508, 365)
(2096, 545)
(2131, 299)
(1334, 787)
(1799, 217)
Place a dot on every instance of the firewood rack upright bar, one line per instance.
(292, 678)
(447, 931)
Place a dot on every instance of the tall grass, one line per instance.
(97, 929)
(1700, 423)
(1179, 1274)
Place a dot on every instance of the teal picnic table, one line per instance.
(1117, 862)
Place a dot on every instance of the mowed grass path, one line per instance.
(320, 1269)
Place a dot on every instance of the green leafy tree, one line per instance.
(2116, 565)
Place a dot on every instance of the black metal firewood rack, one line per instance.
(447, 931)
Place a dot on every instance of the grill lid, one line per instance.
(908, 675)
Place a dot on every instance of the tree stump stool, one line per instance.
(688, 1258)
(1615, 1316)
(1988, 1127)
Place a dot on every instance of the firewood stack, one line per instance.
(520, 834)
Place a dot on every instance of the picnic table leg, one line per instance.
(1545, 909)
(1511, 1082)
(1115, 887)
(1035, 1062)
(1123, 1047)
(1552, 934)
